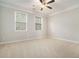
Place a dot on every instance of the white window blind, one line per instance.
(21, 21)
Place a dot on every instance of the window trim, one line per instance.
(25, 22)
(41, 23)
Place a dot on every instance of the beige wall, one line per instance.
(8, 26)
(65, 25)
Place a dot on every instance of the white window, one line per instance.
(21, 21)
(38, 23)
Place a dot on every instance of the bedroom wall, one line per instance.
(8, 26)
(65, 25)
(0, 25)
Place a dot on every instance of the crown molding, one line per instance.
(65, 10)
(4, 4)
(16, 7)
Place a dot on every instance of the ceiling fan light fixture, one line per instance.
(46, 4)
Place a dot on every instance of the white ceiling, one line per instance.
(34, 5)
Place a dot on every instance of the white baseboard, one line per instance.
(29, 39)
(67, 40)
(15, 41)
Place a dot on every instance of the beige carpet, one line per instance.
(40, 48)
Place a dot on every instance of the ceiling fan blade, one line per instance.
(41, 1)
(51, 1)
(49, 7)
(41, 9)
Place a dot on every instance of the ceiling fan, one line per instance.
(46, 4)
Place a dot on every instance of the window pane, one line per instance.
(38, 26)
(38, 19)
(20, 26)
(20, 21)
(20, 17)
(38, 23)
